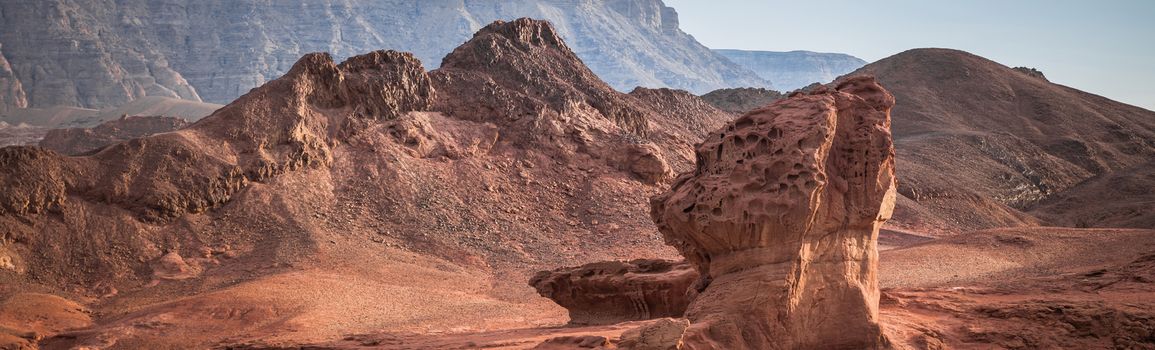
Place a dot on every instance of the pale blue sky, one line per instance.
(1106, 47)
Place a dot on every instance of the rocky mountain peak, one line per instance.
(525, 31)
(520, 37)
(536, 70)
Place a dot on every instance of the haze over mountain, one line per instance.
(794, 69)
(96, 54)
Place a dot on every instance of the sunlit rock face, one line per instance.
(782, 216)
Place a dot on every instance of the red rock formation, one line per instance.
(782, 215)
(617, 291)
(80, 140)
(525, 62)
(646, 162)
(373, 154)
(522, 77)
(272, 130)
(33, 179)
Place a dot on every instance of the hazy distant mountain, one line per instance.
(94, 54)
(795, 69)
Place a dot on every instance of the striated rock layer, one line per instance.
(782, 216)
(618, 291)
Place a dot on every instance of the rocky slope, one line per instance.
(1115, 199)
(439, 192)
(96, 54)
(794, 69)
(980, 144)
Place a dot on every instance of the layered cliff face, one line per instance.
(97, 54)
(84, 55)
(795, 69)
(782, 217)
(11, 90)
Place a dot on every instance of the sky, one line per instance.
(1106, 47)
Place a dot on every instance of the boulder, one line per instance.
(618, 291)
(645, 161)
(782, 217)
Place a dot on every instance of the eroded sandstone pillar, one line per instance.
(782, 215)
